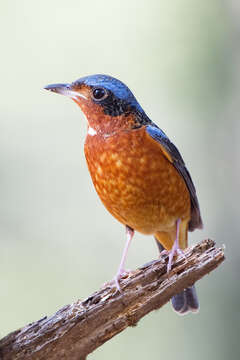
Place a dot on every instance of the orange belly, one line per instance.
(136, 182)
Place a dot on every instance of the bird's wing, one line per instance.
(174, 156)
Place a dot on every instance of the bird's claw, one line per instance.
(173, 252)
(117, 278)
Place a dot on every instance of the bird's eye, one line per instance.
(99, 93)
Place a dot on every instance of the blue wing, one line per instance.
(177, 160)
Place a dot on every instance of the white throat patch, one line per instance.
(91, 131)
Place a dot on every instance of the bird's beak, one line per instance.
(65, 89)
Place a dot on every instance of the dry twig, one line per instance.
(78, 329)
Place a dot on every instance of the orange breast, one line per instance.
(136, 182)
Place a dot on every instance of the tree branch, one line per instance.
(78, 329)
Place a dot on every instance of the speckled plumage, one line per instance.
(137, 171)
(136, 182)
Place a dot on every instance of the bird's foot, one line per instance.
(121, 270)
(121, 273)
(175, 251)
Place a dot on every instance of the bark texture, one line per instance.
(79, 328)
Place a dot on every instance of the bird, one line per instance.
(138, 173)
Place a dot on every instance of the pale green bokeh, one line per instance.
(58, 243)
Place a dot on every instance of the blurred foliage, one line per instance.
(58, 243)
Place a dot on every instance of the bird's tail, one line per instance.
(187, 300)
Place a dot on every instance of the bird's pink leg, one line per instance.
(121, 270)
(175, 249)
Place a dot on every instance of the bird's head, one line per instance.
(107, 103)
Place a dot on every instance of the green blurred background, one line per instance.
(58, 243)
